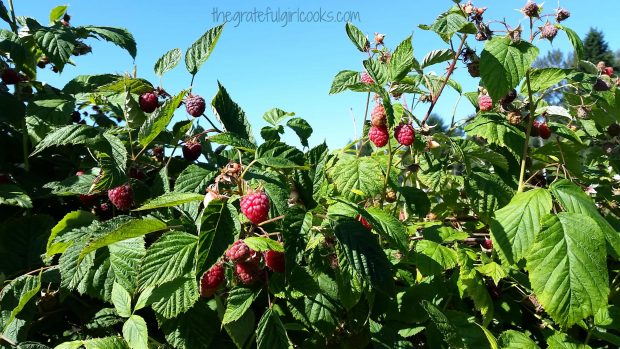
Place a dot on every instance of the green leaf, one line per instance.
(401, 61)
(357, 37)
(259, 243)
(343, 80)
(437, 56)
(125, 259)
(378, 71)
(121, 300)
(194, 329)
(135, 332)
(433, 258)
(275, 116)
(270, 332)
(22, 242)
(458, 330)
(575, 41)
(95, 343)
(515, 225)
(302, 128)
(355, 177)
(449, 23)
(503, 64)
(193, 179)
(56, 43)
(563, 341)
(159, 119)
(363, 253)
(122, 228)
(230, 115)
(112, 156)
(57, 12)
(168, 258)
(169, 200)
(573, 199)
(279, 155)
(567, 268)
(472, 285)
(175, 297)
(416, 200)
(391, 227)
(234, 140)
(542, 79)
(493, 270)
(15, 296)
(69, 135)
(200, 50)
(70, 221)
(118, 36)
(125, 84)
(512, 339)
(487, 192)
(496, 130)
(218, 229)
(13, 195)
(167, 62)
(239, 301)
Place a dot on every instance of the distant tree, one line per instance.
(438, 122)
(596, 48)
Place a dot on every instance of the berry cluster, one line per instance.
(541, 129)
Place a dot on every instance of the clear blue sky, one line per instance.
(265, 65)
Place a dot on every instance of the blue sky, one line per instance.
(266, 65)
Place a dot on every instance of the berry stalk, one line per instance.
(527, 133)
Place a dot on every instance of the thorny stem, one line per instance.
(446, 79)
(210, 122)
(527, 133)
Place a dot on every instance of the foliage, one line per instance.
(480, 234)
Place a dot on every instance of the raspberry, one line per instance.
(10, 77)
(474, 69)
(76, 117)
(136, 173)
(364, 222)
(378, 117)
(148, 102)
(274, 260)
(379, 135)
(485, 103)
(562, 14)
(211, 280)
(255, 206)
(601, 85)
(543, 131)
(121, 197)
(239, 251)
(509, 98)
(583, 111)
(103, 211)
(404, 134)
(366, 79)
(44, 61)
(195, 105)
(379, 38)
(613, 130)
(247, 273)
(531, 9)
(548, 31)
(487, 244)
(609, 71)
(192, 150)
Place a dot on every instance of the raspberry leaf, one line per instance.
(135, 332)
(270, 333)
(352, 174)
(118, 36)
(437, 56)
(515, 339)
(174, 297)
(302, 128)
(276, 116)
(201, 49)
(233, 140)
(121, 300)
(575, 40)
(15, 296)
(170, 199)
(564, 261)
(239, 301)
(193, 329)
(343, 80)
(167, 259)
(279, 155)
(542, 79)
(167, 62)
(458, 329)
(433, 258)
(193, 179)
(159, 119)
(357, 37)
(219, 226)
(258, 243)
(230, 115)
(401, 61)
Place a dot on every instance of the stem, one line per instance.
(387, 173)
(361, 142)
(588, 337)
(271, 220)
(25, 145)
(210, 122)
(14, 24)
(527, 133)
(445, 82)
(246, 169)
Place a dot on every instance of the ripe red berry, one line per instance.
(404, 134)
(255, 206)
(239, 251)
(366, 79)
(121, 197)
(247, 273)
(543, 131)
(378, 117)
(609, 71)
(379, 135)
(195, 105)
(192, 151)
(211, 280)
(10, 77)
(364, 222)
(485, 103)
(274, 260)
(487, 244)
(148, 102)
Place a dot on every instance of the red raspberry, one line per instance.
(255, 206)
(239, 251)
(274, 260)
(485, 103)
(10, 77)
(543, 131)
(378, 117)
(487, 244)
(548, 31)
(404, 134)
(121, 197)
(531, 9)
(364, 222)
(254, 257)
(609, 71)
(80, 172)
(148, 102)
(247, 273)
(379, 135)
(211, 280)
(195, 105)
(192, 151)
(103, 211)
(366, 79)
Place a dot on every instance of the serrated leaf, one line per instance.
(168, 258)
(135, 332)
(159, 119)
(270, 332)
(363, 174)
(193, 179)
(449, 23)
(112, 156)
(121, 300)
(493, 270)
(95, 343)
(487, 192)
(378, 71)
(496, 130)
(170, 199)
(167, 62)
(15, 296)
(70, 221)
(201, 49)
(512, 339)
(575, 41)
(401, 61)
(275, 116)
(503, 64)
(279, 155)
(302, 128)
(514, 226)
(69, 135)
(174, 297)
(56, 43)
(343, 80)
(230, 115)
(259, 243)
(13, 195)
(194, 329)
(57, 12)
(391, 227)
(562, 341)
(433, 258)
(357, 37)
(457, 329)
(218, 229)
(118, 36)
(568, 269)
(239, 301)
(43, 115)
(437, 56)
(542, 79)
(234, 140)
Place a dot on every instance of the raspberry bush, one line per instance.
(123, 229)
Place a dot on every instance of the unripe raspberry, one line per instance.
(379, 38)
(390, 196)
(485, 103)
(404, 134)
(10, 77)
(255, 206)
(514, 118)
(195, 105)
(148, 102)
(192, 150)
(211, 280)
(531, 9)
(562, 14)
(378, 135)
(274, 260)
(378, 117)
(583, 111)
(364, 222)
(548, 31)
(121, 197)
(239, 251)
(366, 78)
(248, 273)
